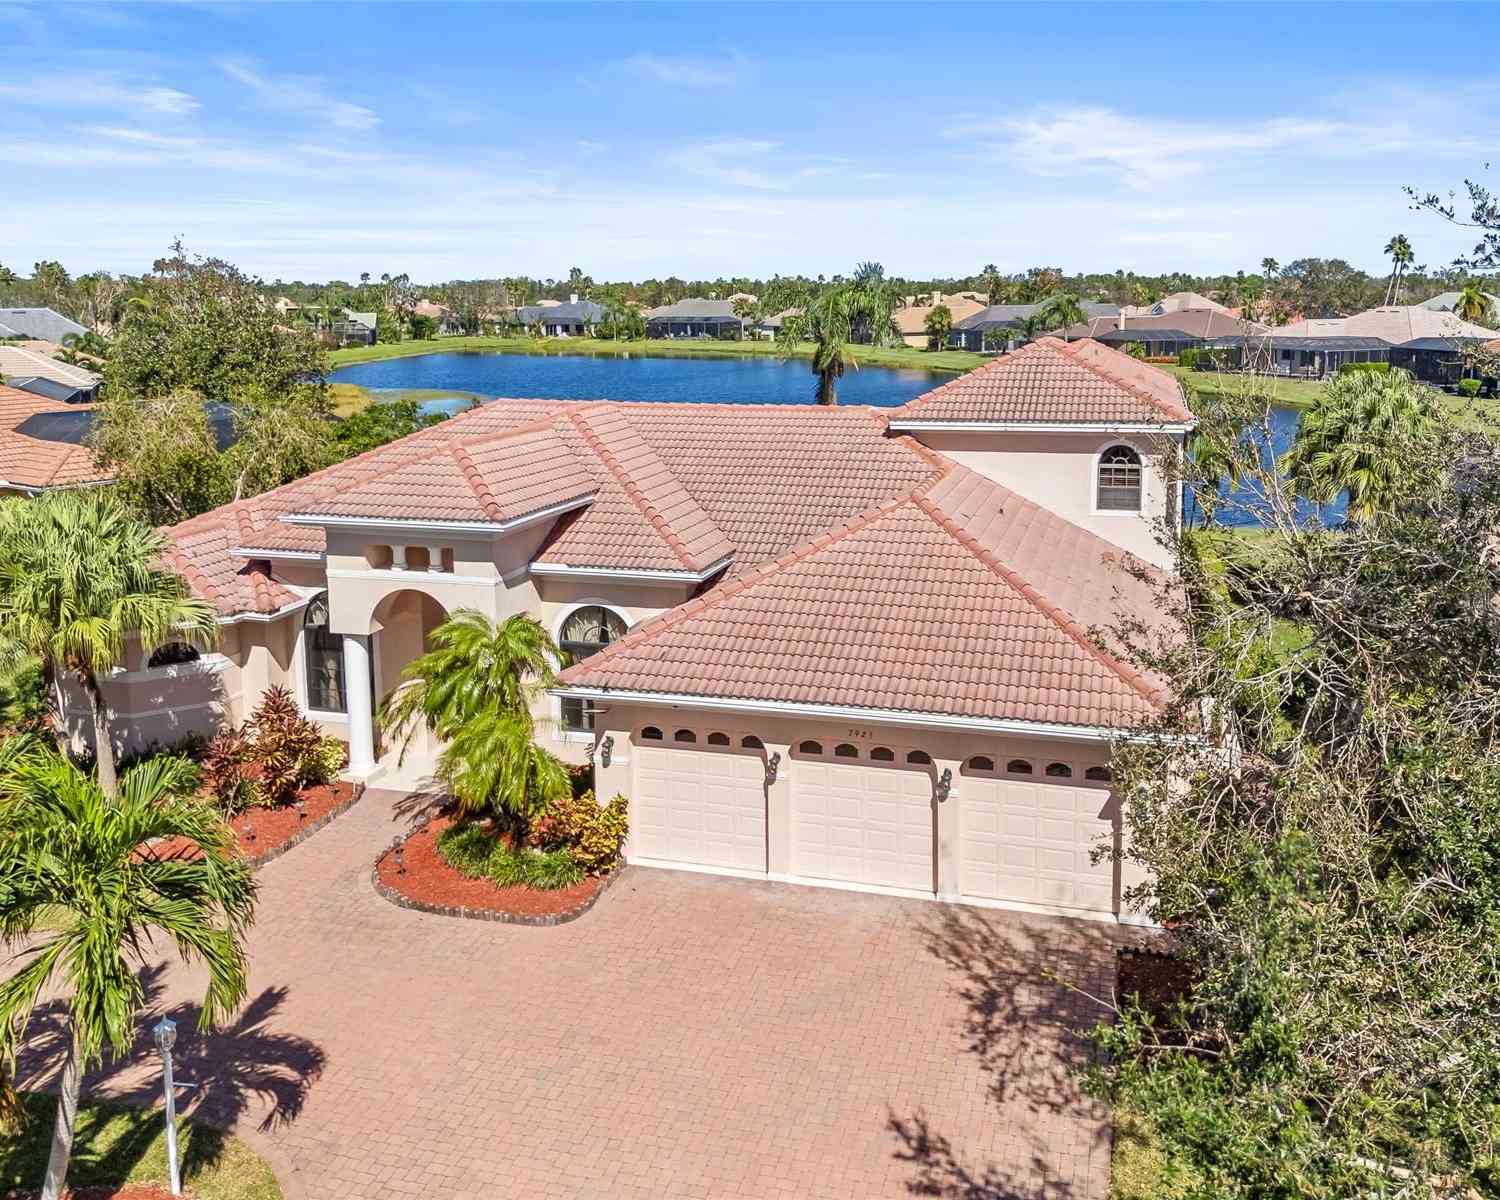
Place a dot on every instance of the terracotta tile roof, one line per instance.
(1049, 382)
(958, 599)
(29, 462)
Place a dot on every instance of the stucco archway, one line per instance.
(400, 630)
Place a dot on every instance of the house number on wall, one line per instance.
(858, 733)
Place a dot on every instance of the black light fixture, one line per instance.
(944, 784)
(772, 764)
(317, 611)
(606, 748)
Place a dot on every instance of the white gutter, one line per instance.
(879, 716)
(629, 574)
(414, 526)
(285, 610)
(1044, 427)
(297, 555)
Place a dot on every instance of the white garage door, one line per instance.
(862, 823)
(1029, 840)
(699, 808)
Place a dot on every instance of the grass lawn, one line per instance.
(1285, 393)
(117, 1145)
(902, 356)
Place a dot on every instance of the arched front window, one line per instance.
(586, 631)
(1119, 480)
(172, 654)
(323, 659)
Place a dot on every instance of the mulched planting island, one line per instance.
(430, 880)
(274, 827)
(129, 1191)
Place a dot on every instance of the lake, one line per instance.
(722, 379)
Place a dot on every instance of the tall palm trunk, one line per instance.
(104, 747)
(63, 1128)
(826, 388)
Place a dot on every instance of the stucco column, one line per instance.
(779, 812)
(357, 701)
(947, 827)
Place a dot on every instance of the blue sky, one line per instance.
(317, 141)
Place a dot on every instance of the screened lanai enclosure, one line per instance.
(1299, 357)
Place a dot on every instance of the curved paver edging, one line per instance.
(483, 914)
(302, 835)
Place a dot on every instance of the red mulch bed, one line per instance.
(129, 1191)
(274, 827)
(428, 879)
(1159, 980)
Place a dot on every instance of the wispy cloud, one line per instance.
(1143, 151)
(107, 91)
(690, 72)
(298, 94)
(742, 162)
(586, 146)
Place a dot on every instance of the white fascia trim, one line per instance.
(296, 555)
(285, 610)
(205, 664)
(1042, 427)
(879, 716)
(629, 574)
(397, 523)
(397, 575)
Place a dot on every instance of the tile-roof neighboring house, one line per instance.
(959, 597)
(911, 321)
(21, 362)
(1176, 302)
(1050, 382)
(1394, 323)
(29, 462)
(41, 323)
(693, 309)
(995, 315)
(1194, 322)
(580, 312)
(1447, 301)
(368, 319)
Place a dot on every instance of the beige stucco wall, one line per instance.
(1058, 471)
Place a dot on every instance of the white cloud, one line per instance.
(300, 95)
(741, 162)
(106, 91)
(586, 146)
(1145, 152)
(689, 72)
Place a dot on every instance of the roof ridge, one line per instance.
(727, 591)
(477, 484)
(637, 497)
(1140, 393)
(1054, 612)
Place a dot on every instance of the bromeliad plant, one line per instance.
(83, 892)
(474, 690)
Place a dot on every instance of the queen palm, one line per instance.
(80, 579)
(1346, 441)
(83, 890)
(474, 690)
(1062, 311)
(1473, 305)
(1399, 248)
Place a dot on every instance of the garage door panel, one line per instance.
(1031, 843)
(699, 808)
(862, 824)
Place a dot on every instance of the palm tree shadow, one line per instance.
(1028, 987)
(242, 1066)
(418, 806)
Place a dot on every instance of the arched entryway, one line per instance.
(400, 630)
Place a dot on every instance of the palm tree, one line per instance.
(1270, 267)
(938, 324)
(83, 349)
(1062, 312)
(993, 281)
(474, 690)
(831, 320)
(1474, 305)
(83, 889)
(1401, 255)
(1345, 442)
(81, 578)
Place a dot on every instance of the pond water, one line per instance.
(1240, 511)
(722, 379)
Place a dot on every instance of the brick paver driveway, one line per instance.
(692, 1036)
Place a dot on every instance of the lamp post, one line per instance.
(165, 1035)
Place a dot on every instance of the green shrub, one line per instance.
(324, 764)
(288, 747)
(1187, 358)
(475, 849)
(1469, 388)
(1375, 368)
(467, 847)
(227, 772)
(591, 831)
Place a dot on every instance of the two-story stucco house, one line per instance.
(843, 646)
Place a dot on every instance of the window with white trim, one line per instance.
(1119, 480)
(586, 631)
(323, 659)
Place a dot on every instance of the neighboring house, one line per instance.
(34, 371)
(41, 444)
(833, 645)
(43, 324)
(968, 334)
(1443, 361)
(447, 323)
(356, 328)
(1186, 328)
(911, 321)
(1274, 353)
(575, 318)
(1177, 302)
(1393, 323)
(695, 318)
(1447, 301)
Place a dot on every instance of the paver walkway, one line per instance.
(692, 1036)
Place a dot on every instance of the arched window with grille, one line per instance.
(173, 654)
(586, 631)
(322, 659)
(1119, 480)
